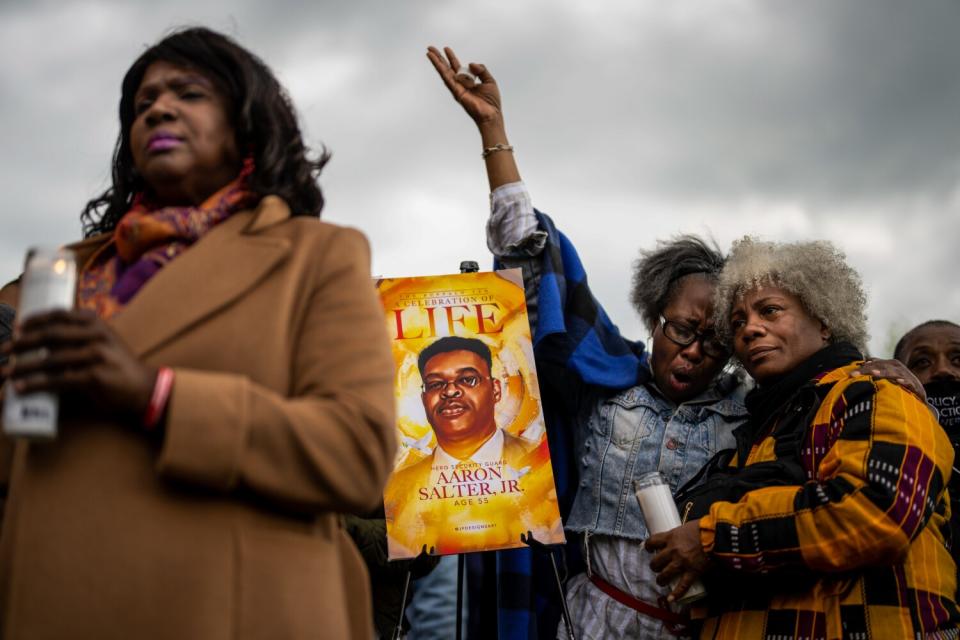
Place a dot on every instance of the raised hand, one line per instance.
(480, 99)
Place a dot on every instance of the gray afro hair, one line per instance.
(816, 272)
(657, 272)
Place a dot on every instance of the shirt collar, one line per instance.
(490, 451)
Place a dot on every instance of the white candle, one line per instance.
(658, 507)
(49, 282)
(660, 513)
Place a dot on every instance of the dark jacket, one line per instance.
(387, 579)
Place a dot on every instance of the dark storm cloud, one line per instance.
(632, 120)
(824, 101)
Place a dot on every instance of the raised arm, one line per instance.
(513, 234)
(477, 92)
(570, 328)
(512, 229)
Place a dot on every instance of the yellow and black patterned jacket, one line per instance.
(858, 551)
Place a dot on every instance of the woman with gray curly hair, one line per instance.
(828, 521)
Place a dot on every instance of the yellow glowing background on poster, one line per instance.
(470, 505)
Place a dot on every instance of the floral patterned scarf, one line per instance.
(148, 238)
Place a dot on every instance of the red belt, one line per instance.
(675, 623)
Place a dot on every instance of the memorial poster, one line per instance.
(473, 468)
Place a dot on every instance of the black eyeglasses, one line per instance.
(684, 336)
(463, 382)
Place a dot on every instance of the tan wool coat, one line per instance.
(281, 416)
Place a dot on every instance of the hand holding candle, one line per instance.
(679, 558)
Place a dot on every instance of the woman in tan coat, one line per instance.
(225, 383)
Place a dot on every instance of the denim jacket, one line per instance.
(628, 433)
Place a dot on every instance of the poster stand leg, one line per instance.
(398, 630)
(461, 566)
(538, 546)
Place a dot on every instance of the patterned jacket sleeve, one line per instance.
(881, 463)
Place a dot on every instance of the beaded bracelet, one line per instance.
(497, 147)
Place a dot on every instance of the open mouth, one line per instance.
(681, 379)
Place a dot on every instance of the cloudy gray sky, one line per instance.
(632, 120)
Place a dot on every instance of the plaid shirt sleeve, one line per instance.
(878, 464)
(570, 327)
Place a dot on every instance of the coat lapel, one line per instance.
(229, 260)
(84, 250)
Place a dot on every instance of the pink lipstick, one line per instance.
(163, 142)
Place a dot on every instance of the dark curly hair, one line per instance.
(658, 273)
(263, 119)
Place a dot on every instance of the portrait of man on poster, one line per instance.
(459, 397)
(471, 482)
(474, 461)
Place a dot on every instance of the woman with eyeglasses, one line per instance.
(633, 411)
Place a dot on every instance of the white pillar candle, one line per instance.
(660, 513)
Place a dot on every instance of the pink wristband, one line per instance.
(159, 398)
